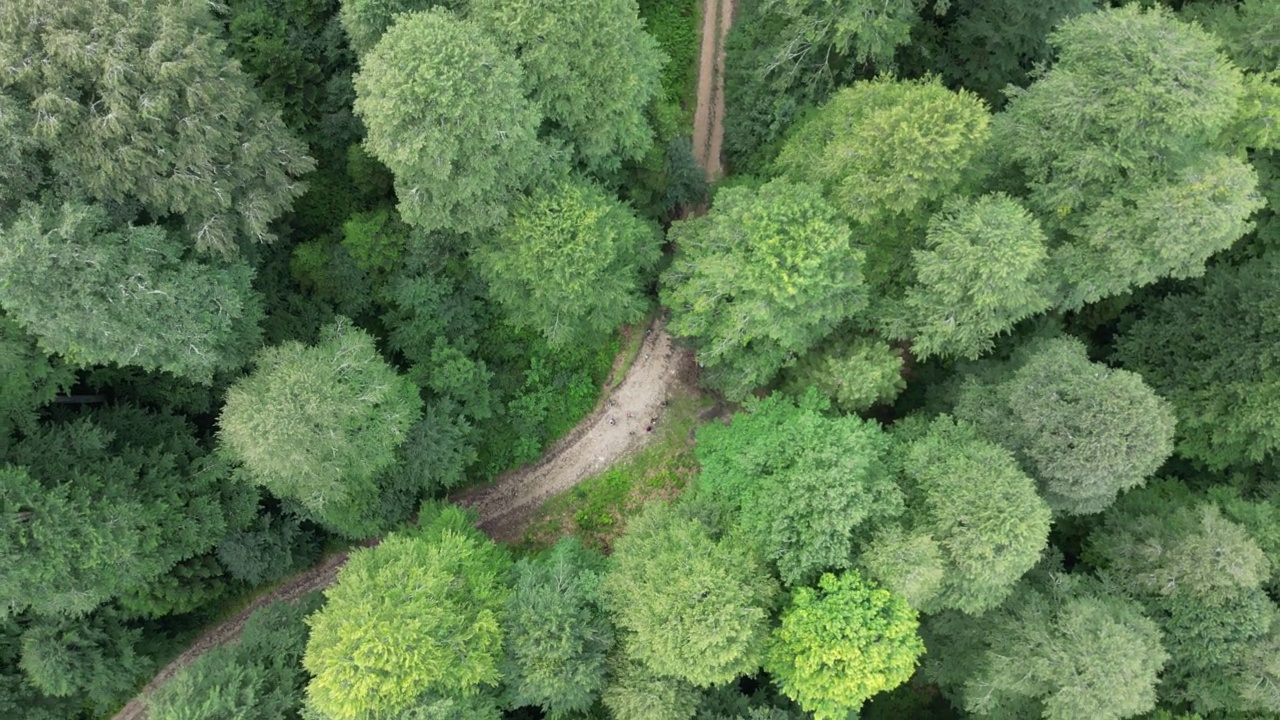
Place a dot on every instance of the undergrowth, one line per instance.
(597, 509)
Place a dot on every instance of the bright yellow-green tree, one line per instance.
(841, 643)
(418, 616)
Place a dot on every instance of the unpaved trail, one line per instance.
(708, 117)
(625, 422)
(595, 444)
(317, 578)
(504, 506)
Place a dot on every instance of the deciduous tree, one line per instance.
(418, 615)
(969, 496)
(461, 143)
(1117, 141)
(695, 609)
(855, 374)
(1061, 647)
(887, 147)
(590, 68)
(570, 263)
(841, 643)
(557, 635)
(982, 270)
(1085, 431)
(366, 20)
(799, 482)
(1223, 379)
(761, 278)
(316, 424)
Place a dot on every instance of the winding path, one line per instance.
(615, 429)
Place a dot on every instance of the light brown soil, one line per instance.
(708, 128)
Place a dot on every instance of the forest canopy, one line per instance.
(424, 357)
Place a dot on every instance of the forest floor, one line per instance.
(616, 430)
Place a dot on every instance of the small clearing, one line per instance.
(624, 422)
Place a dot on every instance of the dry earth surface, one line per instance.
(623, 423)
(617, 428)
(708, 128)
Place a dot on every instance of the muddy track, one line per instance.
(708, 127)
(617, 428)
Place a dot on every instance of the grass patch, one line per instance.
(675, 24)
(632, 339)
(597, 509)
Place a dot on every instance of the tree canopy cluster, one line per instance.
(987, 303)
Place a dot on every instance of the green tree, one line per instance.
(557, 636)
(1060, 648)
(29, 379)
(696, 609)
(418, 615)
(969, 496)
(375, 239)
(841, 643)
(1085, 431)
(1200, 576)
(590, 68)
(760, 278)
(570, 263)
(95, 293)
(801, 484)
(461, 143)
(258, 676)
(635, 691)
(316, 424)
(855, 374)
(365, 21)
(139, 102)
(886, 147)
(859, 31)
(100, 506)
(95, 658)
(1223, 380)
(1164, 550)
(911, 565)
(982, 271)
(1117, 141)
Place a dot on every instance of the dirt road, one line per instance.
(623, 423)
(616, 428)
(708, 127)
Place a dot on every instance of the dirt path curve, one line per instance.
(708, 127)
(621, 425)
(507, 504)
